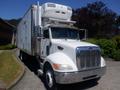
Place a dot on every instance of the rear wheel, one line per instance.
(21, 55)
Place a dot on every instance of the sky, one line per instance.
(13, 9)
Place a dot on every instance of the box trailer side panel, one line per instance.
(24, 33)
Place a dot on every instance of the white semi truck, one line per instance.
(47, 32)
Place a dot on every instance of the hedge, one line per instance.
(7, 47)
(109, 47)
(116, 55)
(116, 39)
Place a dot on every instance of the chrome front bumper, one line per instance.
(74, 77)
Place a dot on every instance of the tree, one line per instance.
(118, 22)
(14, 21)
(96, 18)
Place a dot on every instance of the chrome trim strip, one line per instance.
(74, 77)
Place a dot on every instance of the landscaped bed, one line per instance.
(10, 68)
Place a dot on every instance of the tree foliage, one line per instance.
(14, 21)
(97, 19)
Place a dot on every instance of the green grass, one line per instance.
(10, 69)
(7, 47)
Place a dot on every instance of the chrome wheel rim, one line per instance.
(49, 79)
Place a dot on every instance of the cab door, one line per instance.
(45, 44)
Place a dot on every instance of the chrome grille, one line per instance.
(88, 57)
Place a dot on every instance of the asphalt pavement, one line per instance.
(29, 82)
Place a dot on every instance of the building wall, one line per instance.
(6, 33)
(5, 37)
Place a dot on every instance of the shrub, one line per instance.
(94, 41)
(6, 47)
(107, 47)
(116, 39)
(116, 55)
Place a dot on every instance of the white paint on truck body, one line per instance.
(24, 32)
(27, 30)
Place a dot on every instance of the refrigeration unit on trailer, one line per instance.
(47, 32)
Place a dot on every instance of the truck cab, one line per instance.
(70, 59)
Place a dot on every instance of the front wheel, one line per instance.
(49, 79)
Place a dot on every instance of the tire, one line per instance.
(49, 79)
(23, 56)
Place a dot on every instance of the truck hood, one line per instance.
(71, 43)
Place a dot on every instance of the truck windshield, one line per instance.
(64, 33)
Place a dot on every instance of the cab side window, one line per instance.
(46, 34)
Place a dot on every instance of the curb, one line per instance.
(21, 74)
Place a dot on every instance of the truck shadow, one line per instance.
(78, 86)
(33, 65)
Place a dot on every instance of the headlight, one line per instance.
(62, 67)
